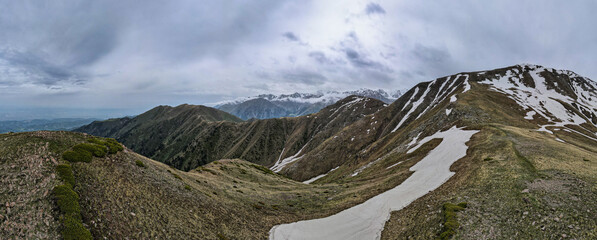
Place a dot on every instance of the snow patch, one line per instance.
(280, 164)
(530, 115)
(415, 105)
(366, 220)
(543, 101)
(355, 173)
(320, 176)
(393, 165)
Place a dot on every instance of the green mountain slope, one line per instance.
(183, 139)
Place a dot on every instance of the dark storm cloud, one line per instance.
(374, 8)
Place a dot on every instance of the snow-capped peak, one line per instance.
(546, 91)
(327, 97)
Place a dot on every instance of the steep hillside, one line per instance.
(184, 140)
(297, 104)
(535, 148)
(128, 196)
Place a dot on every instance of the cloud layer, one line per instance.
(131, 56)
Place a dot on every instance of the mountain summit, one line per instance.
(297, 104)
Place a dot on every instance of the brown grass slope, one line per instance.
(126, 195)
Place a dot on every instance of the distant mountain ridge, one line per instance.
(43, 124)
(266, 106)
(188, 136)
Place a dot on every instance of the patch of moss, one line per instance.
(73, 229)
(68, 203)
(113, 145)
(139, 163)
(65, 172)
(94, 149)
(450, 221)
(262, 168)
(67, 199)
(110, 143)
(77, 156)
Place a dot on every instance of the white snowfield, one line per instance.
(366, 220)
(543, 101)
(445, 90)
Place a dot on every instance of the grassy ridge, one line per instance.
(66, 198)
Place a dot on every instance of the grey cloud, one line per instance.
(430, 54)
(291, 36)
(320, 57)
(304, 77)
(360, 61)
(35, 69)
(374, 8)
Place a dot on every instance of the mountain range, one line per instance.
(503, 153)
(297, 104)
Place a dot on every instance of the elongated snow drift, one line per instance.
(366, 220)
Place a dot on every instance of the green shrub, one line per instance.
(95, 140)
(139, 163)
(68, 203)
(263, 169)
(187, 187)
(67, 200)
(94, 149)
(110, 143)
(77, 156)
(65, 172)
(450, 221)
(73, 229)
(113, 145)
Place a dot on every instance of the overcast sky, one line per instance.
(110, 58)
